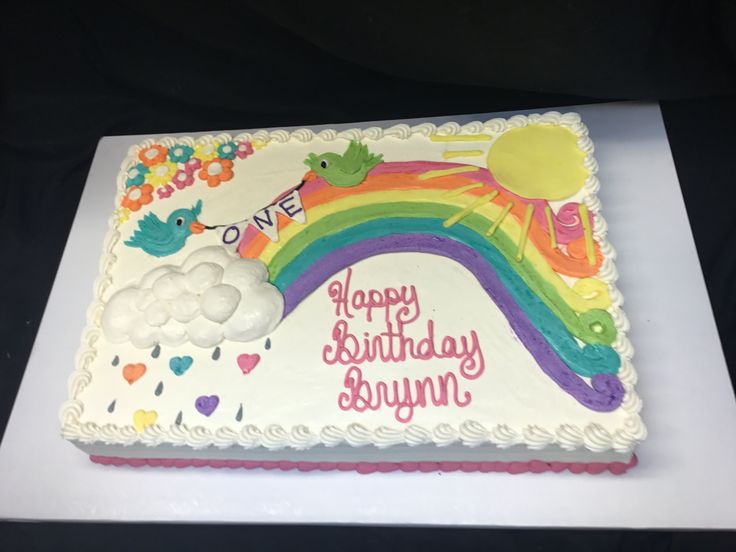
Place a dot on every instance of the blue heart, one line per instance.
(179, 365)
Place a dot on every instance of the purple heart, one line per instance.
(206, 405)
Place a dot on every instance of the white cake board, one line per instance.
(686, 474)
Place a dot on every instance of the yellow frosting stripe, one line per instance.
(588, 232)
(551, 226)
(596, 295)
(461, 153)
(462, 189)
(461, 138)
(524, 231)
(470, 208)
(499, 220)
(447, 172)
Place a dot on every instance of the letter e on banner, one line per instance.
(291, 206)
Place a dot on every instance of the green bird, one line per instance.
(346, 170)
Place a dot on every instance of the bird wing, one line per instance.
(151, 229)
(353, 158)
(373, 160)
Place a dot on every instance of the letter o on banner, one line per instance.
(231, 235)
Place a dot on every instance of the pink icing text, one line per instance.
(400, 309)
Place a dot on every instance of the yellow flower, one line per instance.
(205, 152)
(161, 174)
(259, 144)
(122, 215)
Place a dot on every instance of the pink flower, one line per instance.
(244, 149)
(165, 191)
(192, 165)
(182, 179)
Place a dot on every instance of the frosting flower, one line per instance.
(192, 165)
(215, 171)
(206, 151)
(226, 150)
(136, 175)
(182, 179)
(165, 191)
(180, 153)
(153, 156)
(122, 215)
(137, 196)
(244, 149)
(161, 174)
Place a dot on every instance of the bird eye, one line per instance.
(180, 221)
(323, 163)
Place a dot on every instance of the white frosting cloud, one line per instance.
(212, 296)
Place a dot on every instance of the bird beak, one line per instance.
(196, 227)
(311, 175)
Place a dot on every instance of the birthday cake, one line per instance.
(403, 298)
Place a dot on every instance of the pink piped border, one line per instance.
(532, 466)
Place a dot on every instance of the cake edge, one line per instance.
(365, 468)
(592, 437)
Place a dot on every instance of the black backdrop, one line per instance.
(73, 73)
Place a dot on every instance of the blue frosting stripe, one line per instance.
(587, 360)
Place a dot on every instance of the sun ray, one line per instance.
(447, 172)
(470, 208)
(551, 226)
(462, 189)
(501, 216)
(589, 247)
(461, 138)
(524, 231)
(462, 153)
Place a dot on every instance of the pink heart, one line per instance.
(248, 362)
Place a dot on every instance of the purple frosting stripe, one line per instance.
(605, 391)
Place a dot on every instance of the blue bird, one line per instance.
(159, 238)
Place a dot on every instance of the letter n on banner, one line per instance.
(267, 222)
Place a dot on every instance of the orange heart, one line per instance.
(133, 372)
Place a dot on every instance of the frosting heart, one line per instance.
(133, 372)
(143, 419)
(206, 404)
(179, 365)
(248, 362)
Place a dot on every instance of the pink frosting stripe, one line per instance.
(531, 466)
(414, 167)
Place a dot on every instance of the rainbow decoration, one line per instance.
(516, 247)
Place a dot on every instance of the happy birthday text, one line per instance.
(397, 309)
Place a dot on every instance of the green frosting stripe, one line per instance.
(593, 326)
(587, 360)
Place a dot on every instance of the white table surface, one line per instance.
(685, 478)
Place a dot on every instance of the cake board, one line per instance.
(684, 476)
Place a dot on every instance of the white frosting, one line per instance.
(206, 297)
(212, 296)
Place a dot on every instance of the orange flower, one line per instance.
(215, 171)
(153, 156)
(137, 196)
